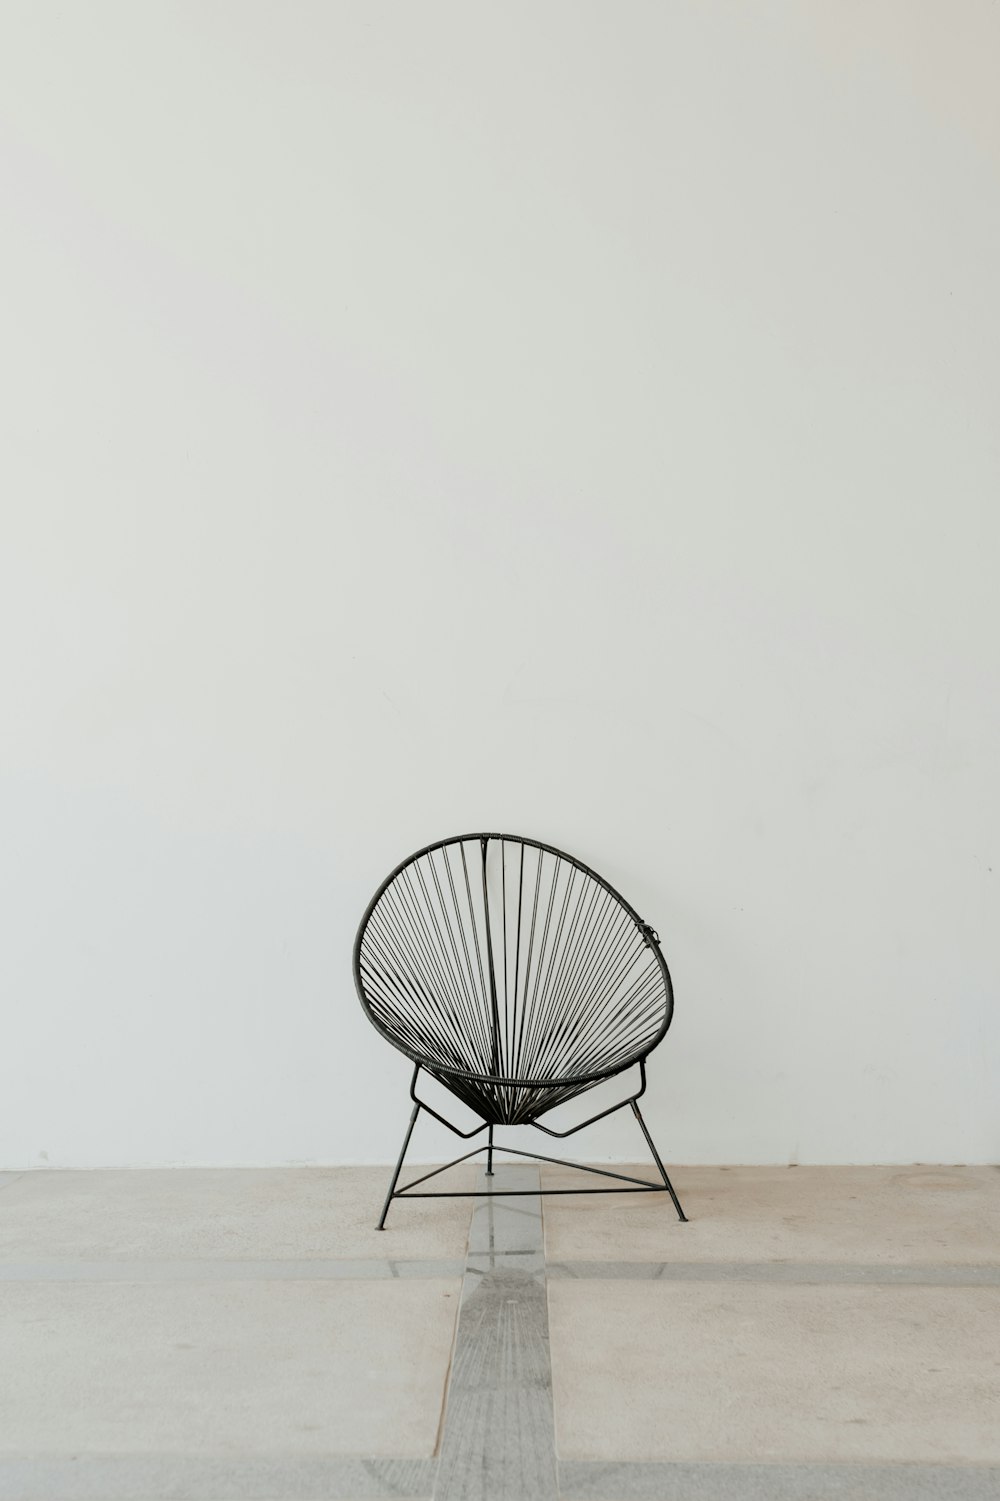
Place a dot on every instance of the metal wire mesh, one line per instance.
(511, 972)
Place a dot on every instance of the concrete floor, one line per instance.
(213, 1335)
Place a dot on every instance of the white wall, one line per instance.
(578, 419)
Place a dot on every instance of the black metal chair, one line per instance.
(517, 978)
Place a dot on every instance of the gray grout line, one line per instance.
(498, 1431)
(185, 1477)
(819, 1273)
(6, 1179)
(591, 1480)
(365, 1269)
(208, 1270)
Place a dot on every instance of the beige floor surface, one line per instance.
(886, 1215)
(699, 1371)
(803, 1316)
(248, 1367)
(262, 1214)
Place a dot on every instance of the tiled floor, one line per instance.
(812, 1333)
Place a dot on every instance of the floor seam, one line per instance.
(384, 1269)
(812, 1274)
(497, 1433)
(777, 1480)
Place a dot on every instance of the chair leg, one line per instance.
(399, 1167)
(489, 1155)
(656, 1158)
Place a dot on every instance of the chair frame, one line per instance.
(635, 1185)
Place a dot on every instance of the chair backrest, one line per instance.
(511, 972)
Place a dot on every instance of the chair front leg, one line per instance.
(656, 1158)
(399, 1166)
